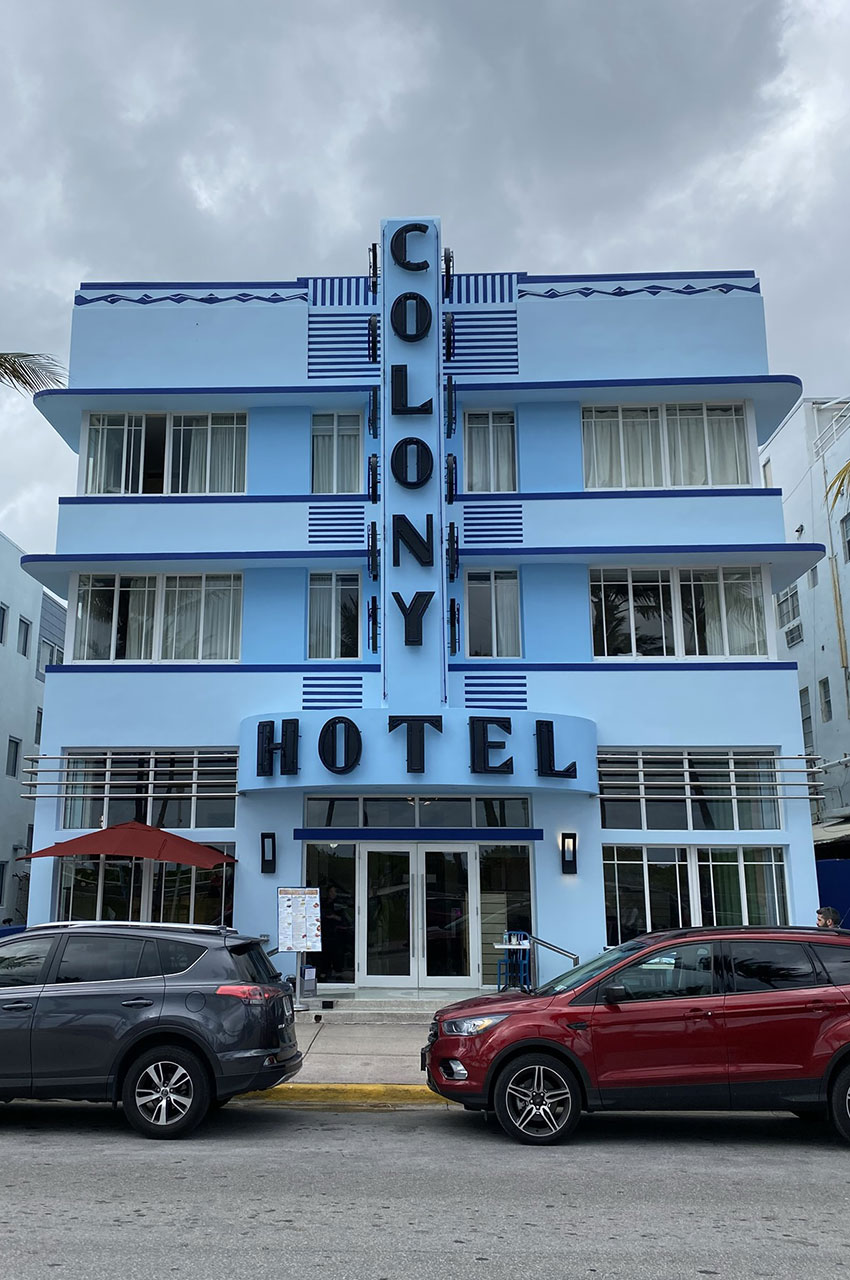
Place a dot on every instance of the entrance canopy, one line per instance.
(136, 840)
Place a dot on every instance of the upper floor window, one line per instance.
(806, 717)
(787, 606)
(668, 446)
(490, 452)
(336, 464)
(166, 453)
(173, 787)
(492, 614)
(13, 757)
(825, 700)
(334, 615)
(699, 790)
(677, 612)
(175, 617)
(49, 655)
(24, 631)
(4, 622)
(845, 536)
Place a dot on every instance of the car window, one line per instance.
(252, 963)
(100, 959)
(22, 961)
(836, 961)
(771, 966)
(676, 972)
(177, 956)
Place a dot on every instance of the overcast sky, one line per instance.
(216, 140)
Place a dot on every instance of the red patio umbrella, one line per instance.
(136, 840)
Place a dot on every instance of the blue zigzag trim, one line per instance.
(620, 292)
(146, 299)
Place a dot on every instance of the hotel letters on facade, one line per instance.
(445, 594)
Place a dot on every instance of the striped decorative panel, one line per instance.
(489, 523)
(327, 692)
(495, 287)
(338, 345)
(492, 690)
(342, 291)
(485, 342)
(332, 525)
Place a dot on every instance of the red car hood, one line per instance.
(499, 1002)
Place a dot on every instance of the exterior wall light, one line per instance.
(268, 853)
(569, 862)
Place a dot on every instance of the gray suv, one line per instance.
(169, 1020)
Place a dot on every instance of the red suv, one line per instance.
(753, 1019)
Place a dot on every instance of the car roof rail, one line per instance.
(220, 930)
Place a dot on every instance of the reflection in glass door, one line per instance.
(446, 950)
(388, 901)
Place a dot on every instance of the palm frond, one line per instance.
(838, 484)
(30, 373)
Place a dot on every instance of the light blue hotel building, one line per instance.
(445, 593)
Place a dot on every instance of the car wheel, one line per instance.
(537, 1099)
(166, 1092)
(839, 1103)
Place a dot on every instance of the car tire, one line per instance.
(839, 1103)
(166, 1092)
(537, 1099)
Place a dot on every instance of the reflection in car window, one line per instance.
(771, 966)
(675, 972)
(253, 965)
(103, 959)
(836, 961)
(178, 956)
(22, 961)
(590, 969)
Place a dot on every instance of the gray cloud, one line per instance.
(209, 141)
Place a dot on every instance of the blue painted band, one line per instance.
(745, 379)
(196, 284)
(314, 392)
(491, 668)
(642, 275)
(120, 557)
(178, 499)
(594, 494)
(342, 667)
(661, 549)
(421, 835)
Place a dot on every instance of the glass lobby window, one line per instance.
(671, 446)
(334, 615)
(331, 868)
(490, 452)
(505, 874)
(492, 614)
(645, 889)
(336, 461)
(632, 612)
(742, 886)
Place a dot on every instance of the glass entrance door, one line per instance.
(421, 916)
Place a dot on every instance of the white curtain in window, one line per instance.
(506, 601)
(686, 446)
(223, 464)
(323, 460)
(189, 454)
(348, 461)
(727, 442)
(478, 453)
(504, 453)
(222, 603)
(601, 439)
(742, 589)
(642, 449)
(181, 623)
(320, 615)
(136, 604)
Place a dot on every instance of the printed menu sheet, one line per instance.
(299, 920)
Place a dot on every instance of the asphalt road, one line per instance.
(402, 1195)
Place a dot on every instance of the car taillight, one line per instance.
(247, 993)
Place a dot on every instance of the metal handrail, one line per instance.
(550, 946)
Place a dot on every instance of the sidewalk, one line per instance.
(357, 1065)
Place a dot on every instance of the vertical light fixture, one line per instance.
(268, 852)
(569, 862)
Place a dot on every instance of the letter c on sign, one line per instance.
(398, 246)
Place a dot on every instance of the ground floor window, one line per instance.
(104, 888)
(661, 887)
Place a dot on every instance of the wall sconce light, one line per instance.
(569, 862)
(268, 853)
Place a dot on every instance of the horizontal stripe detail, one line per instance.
(641, 275)
(333, 526)
(493, 690)
(663, 549)
(331, 691)
(121, 557)
(180, 498)
(199, 668)
(421, 835)
(338, 346)
(484, 342)
(649, 664)
(495, 522)
(595, 494)
(341, 291)
(581, 494)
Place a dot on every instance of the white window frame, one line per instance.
(490, 458)
(4, 621)
(750, 452)
(82, 486)
(25, 629)
(678, 653)
(790, 597)
(493, 657)
(158, 619)
(330, 413)
(825, 699)
(335, 618)
(13, 756)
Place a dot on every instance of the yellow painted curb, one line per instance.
(333, 1096)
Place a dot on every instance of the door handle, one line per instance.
(698, 1013)
(138, 1003)
(15, 1005)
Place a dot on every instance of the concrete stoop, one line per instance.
(365, 1011)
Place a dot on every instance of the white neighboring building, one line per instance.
(31, 637)
(812, 618)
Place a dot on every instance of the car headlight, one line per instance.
(472, 1026)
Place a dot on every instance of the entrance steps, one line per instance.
(356, 1010)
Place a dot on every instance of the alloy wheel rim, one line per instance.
(164, 1092)
(539, 1101)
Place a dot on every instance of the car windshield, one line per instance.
(590, 969)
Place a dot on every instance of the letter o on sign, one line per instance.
(411, 448)
(409, 306)
(352, 745)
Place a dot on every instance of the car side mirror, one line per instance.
(615, 993)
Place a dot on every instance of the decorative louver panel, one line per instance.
(328, 692)
(492, 523)
(336, 525)
(507, 692)
(338, 345)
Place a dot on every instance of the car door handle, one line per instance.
(14, 1005)
(138, 1003)
(698, 1013)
